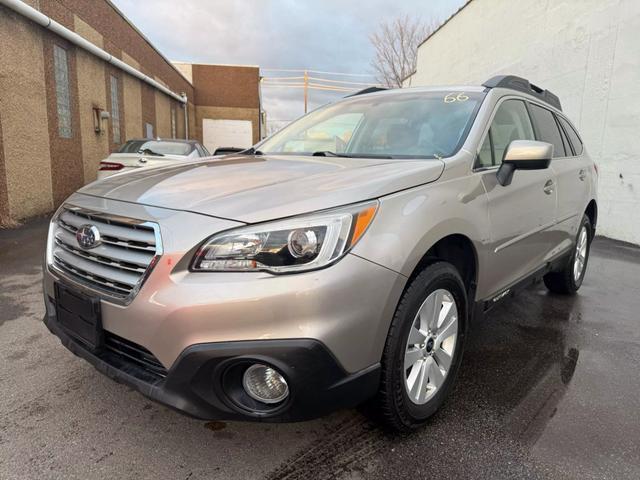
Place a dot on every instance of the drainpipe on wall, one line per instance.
(50, 24)
(186, 115)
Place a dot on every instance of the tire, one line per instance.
(397, 406)
(567, 281)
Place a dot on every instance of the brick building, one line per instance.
(77, 79)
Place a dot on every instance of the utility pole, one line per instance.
(306, 87)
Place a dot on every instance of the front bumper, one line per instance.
(324, 329)
(193, 385)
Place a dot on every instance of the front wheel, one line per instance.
(423, 349)
(569, 279)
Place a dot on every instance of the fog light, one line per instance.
(265, 384)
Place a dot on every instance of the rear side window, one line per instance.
(511, 122)
(573, 136)
(547, 129)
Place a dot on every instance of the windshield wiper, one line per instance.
(370, 155)
(148, 151)
(251, 151)
(329, 153)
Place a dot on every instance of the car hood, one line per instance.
(257, 188)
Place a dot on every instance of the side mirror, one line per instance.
(524, 155)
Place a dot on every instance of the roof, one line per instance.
(436, 88)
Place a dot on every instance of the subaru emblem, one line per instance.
(88, 237)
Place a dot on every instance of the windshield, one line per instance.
(402, 125)
(157, 146)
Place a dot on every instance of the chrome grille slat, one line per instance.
(143, 236)
(111, 241)
(119, 255)
(111, 274)
(93, 258)
(115, 268)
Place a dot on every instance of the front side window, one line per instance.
(63, 95)
(511, 122)
(400, 125)
(115, 110)
(547, 129)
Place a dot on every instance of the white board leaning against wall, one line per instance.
(226, 133)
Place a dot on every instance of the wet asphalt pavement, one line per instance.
(549, 388)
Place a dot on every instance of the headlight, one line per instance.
(293, 245)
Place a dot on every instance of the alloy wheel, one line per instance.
(430, 346)
(580, 255)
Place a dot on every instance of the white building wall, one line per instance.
(585, 51)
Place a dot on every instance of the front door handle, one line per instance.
(549, 187)
(582, 174)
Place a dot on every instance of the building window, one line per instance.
(148, 130)
(115, 110)
(173, 123)
(63, 96)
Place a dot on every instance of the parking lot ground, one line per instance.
(548, 389)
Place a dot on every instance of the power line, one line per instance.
(344, 82)
(315, 83)
(311, 86)
(368, 75)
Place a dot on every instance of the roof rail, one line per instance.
(523, 85)
(366, 90)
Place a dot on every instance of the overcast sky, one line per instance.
(329, 35)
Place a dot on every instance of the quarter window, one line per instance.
(547, 129)
(115, 110)
(511, 122)
(573, 136)
(63, 96)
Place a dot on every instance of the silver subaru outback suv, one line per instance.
(340, 261)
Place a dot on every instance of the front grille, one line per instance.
(133, 353)
(119, 265)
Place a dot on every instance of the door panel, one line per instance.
(522, 215)
(573, 174)
(522, 218)
(572, 194)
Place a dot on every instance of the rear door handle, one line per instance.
(549, 187)
(582, 174)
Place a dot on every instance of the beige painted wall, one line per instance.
(132, 102)
(91, 93)
(191, 115)
(163, 115)
(180, 120)
(24, 117)
(225, 113)
(185, 69)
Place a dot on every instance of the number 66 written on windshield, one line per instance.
(453, 97)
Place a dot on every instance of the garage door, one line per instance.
(226, 133)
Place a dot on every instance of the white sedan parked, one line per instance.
(150, 153)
